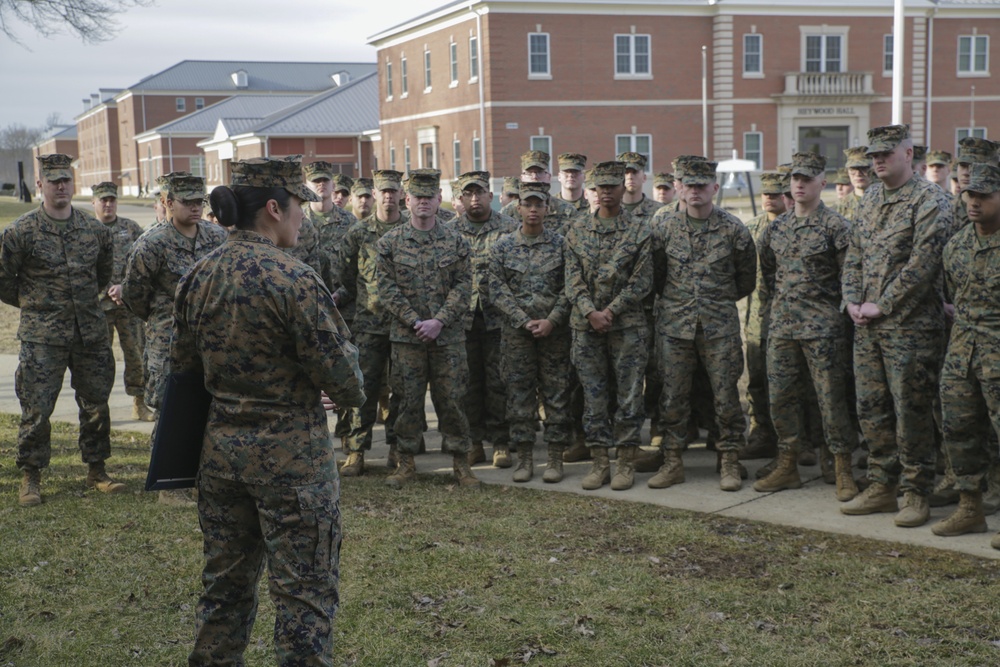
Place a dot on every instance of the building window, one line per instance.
(963, 132)
(388, 80)
(542, 143)
(538, 54)
(753, 150)
(473, 57)
(823, 53)
(403, 86)
(181, 104)
(453, 49)
(427, 70)
(631, 55)
(199, 103)
(406, 158)
(973, 54)
(456, 158)
(197, 165)
(887, 55)
(636, 143)
(753, 54)
(477, 154)
(392, 158)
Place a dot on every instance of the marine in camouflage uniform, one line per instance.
(971, 151)
(608, 275)
(535, 169)
(571, 168)
(424, 279)
(510, 192)
(262, 329)
(54, 262)
(892, 286)
(801, 255)
(858, 166)
(526, 284)
(663, 187)
(939, 169)
(124, 233)
(158, 260)
(485, 402)
(705, 262)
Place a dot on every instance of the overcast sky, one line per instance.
(53, 75)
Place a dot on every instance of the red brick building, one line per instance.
(476, 84)
(98, 158)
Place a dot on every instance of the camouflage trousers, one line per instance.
(486, 401)
(444, 367)
(896, 372)
(610, 368)
(37, 383)
(817, 363)
(723, 361)
(154, 362)
(654, 378)
(758, 405)
(348, 419)
(970, 404)
(374, 351)
(296, 532)
(131, 339)
(538, 368)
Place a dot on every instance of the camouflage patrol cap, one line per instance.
(842, 177)
(808, 164)
(885, 138)
(263, 172)
(187, 187)
(55, 166)
(387, 179)
(511, 185)
(772, 183)
(342, 183)
(105, 189)
(569, 161)
(538, 159)
(423, 183)
(317, 171)
(456, 189)
(973, 150)
(919, 153)
(362, 186)
(785, 169)
(163, 181)
(857, 158)
(663, 180)
(984, 179)
(953, 176)
(699, 172)
(681, 161)
(609, 173)
(539, 190)
(634, 161)
(938, 157)
(470, 178)
(588, 179)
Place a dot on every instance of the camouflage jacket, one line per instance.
(54, 272)
(424, 275)
(701, 272)
(124, 233)
(960, 215)
(972, 278)
(307, 249)
(894, 256)
(332, 226)
(608, 265)
(560, 216)
(581, 205)
(357, 288)
(481, 242)
(800, 263)
(758, 314)
(850, 206)
(644, 210)
(527, 279)
(262, 328)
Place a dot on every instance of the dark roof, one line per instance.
(217, 75)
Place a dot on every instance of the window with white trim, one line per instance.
(632, 54)
(197, 165)
(456, 158)
(886, 55)
(636, 143)
(453, 53)
(392, 158)
(824, 53)
(388, 80)
(753, 54)
(538, 55)
(542, 142)
(180, 104)
(473, 57)
(406, 158)
(753, 148)
(427, 70)
(403, 84)
(973, 54)
(477, 154)
(199, 103)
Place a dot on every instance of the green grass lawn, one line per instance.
(434, 575)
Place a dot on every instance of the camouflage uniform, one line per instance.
(308, 250)
(755, 331)
(53, 270)
(124, 233)
(849, 207)
(263, 329)
(580, 204)
(560, 216)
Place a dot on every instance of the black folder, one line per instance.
(179, 433)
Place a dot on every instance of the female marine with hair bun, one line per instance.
(263, 329)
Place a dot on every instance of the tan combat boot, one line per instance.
(670, 473)
(991, 498)
(554, 470)
(945, 492)
(784, 476)
(406, 471)
(624, 469)
(501, 456)
(463, 473)
(578, 451)
(31, 488)
(139, 410)
(915, 510)
(847, 488)
(476, 453)
(730, 479)
(354, 466)
(876, 498)
(525, 463)
(392, 458)
(968, 517)
(647, 461)
(766, 469)
(97, 478)
(600, 470)
(348, 443)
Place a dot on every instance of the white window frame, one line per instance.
(888, 53)
(392, 158)
(759, 72)
(407, 158)
(453, 57)
(972, 71)
(824, 31)
(760, 148)
(541, 142)
(456, 158)
(473, 58)
(632, 73)
(427, 71)
(388, 80)
(180, 105)
(199, 103)
(547, 74)
(196, 165)
(477, 154)
(404, 86)
(634, 146)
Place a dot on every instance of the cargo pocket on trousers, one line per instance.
(319, 528)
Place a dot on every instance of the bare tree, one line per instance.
(15, 146)
(91, 20)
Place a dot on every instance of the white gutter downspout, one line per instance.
(482, 103)
(930, 73)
